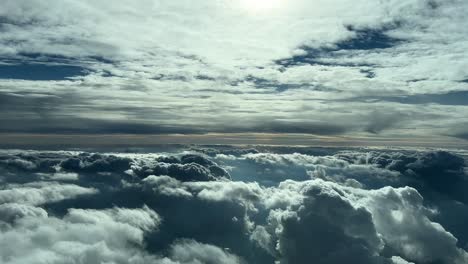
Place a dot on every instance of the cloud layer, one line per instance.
(354, 68)
(234, 205)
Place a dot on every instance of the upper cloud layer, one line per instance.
(323, 67)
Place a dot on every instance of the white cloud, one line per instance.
(400, 216)
(42, 192)
(12, 211)
(82, 236)
(191, 252)
(394, 217)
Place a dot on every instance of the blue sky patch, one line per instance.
(40, 72)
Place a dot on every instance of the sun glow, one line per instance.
(261, 5)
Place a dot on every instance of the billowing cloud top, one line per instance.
(343, 67)
(234, 205)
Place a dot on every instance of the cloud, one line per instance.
(404, 223)
(93, 236)
(351, 205)
(326, 229)
(398, 260)
(390, 218)
(42, 192)
(380, 121)
(82, 236)
(87, 162)
(189, 168)
(449, 98)
(274, 168)
(460, 131)
(189, 251)
(341, 68)
(438, 171)
(12, 211)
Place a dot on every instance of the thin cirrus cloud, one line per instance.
(180, 67)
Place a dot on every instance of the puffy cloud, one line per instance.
(12, 211)
(272, 168)
(399, 260)
(86, 162)
(307, 205)
(215, 212)
(108, 167)
(82, 236)
(94, 236)
(403, 221)
(325, 228)
(166, 186)
(189, 168)
(370, 223)
(225, 150)
(189, 251)
(33, 161)
(42, 192)
(433, 171)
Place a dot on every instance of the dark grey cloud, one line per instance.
(62, 125)
(450, 98)
(55, 114)
(319, 128)
(459, 131)
(441, 172)
(462, 135)
(24, 103)
(51, 114)
(190, 168)
(380, 121)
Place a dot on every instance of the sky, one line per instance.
(335, 70)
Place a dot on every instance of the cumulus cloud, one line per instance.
(403, 221)
(434, 171)
(13, 211)
(325, 228)
(82, 236)
(349, 205)
(371, 225)
(189, 168)
(273, 168)
(42, 192)
(189, 251)
(86, 162)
